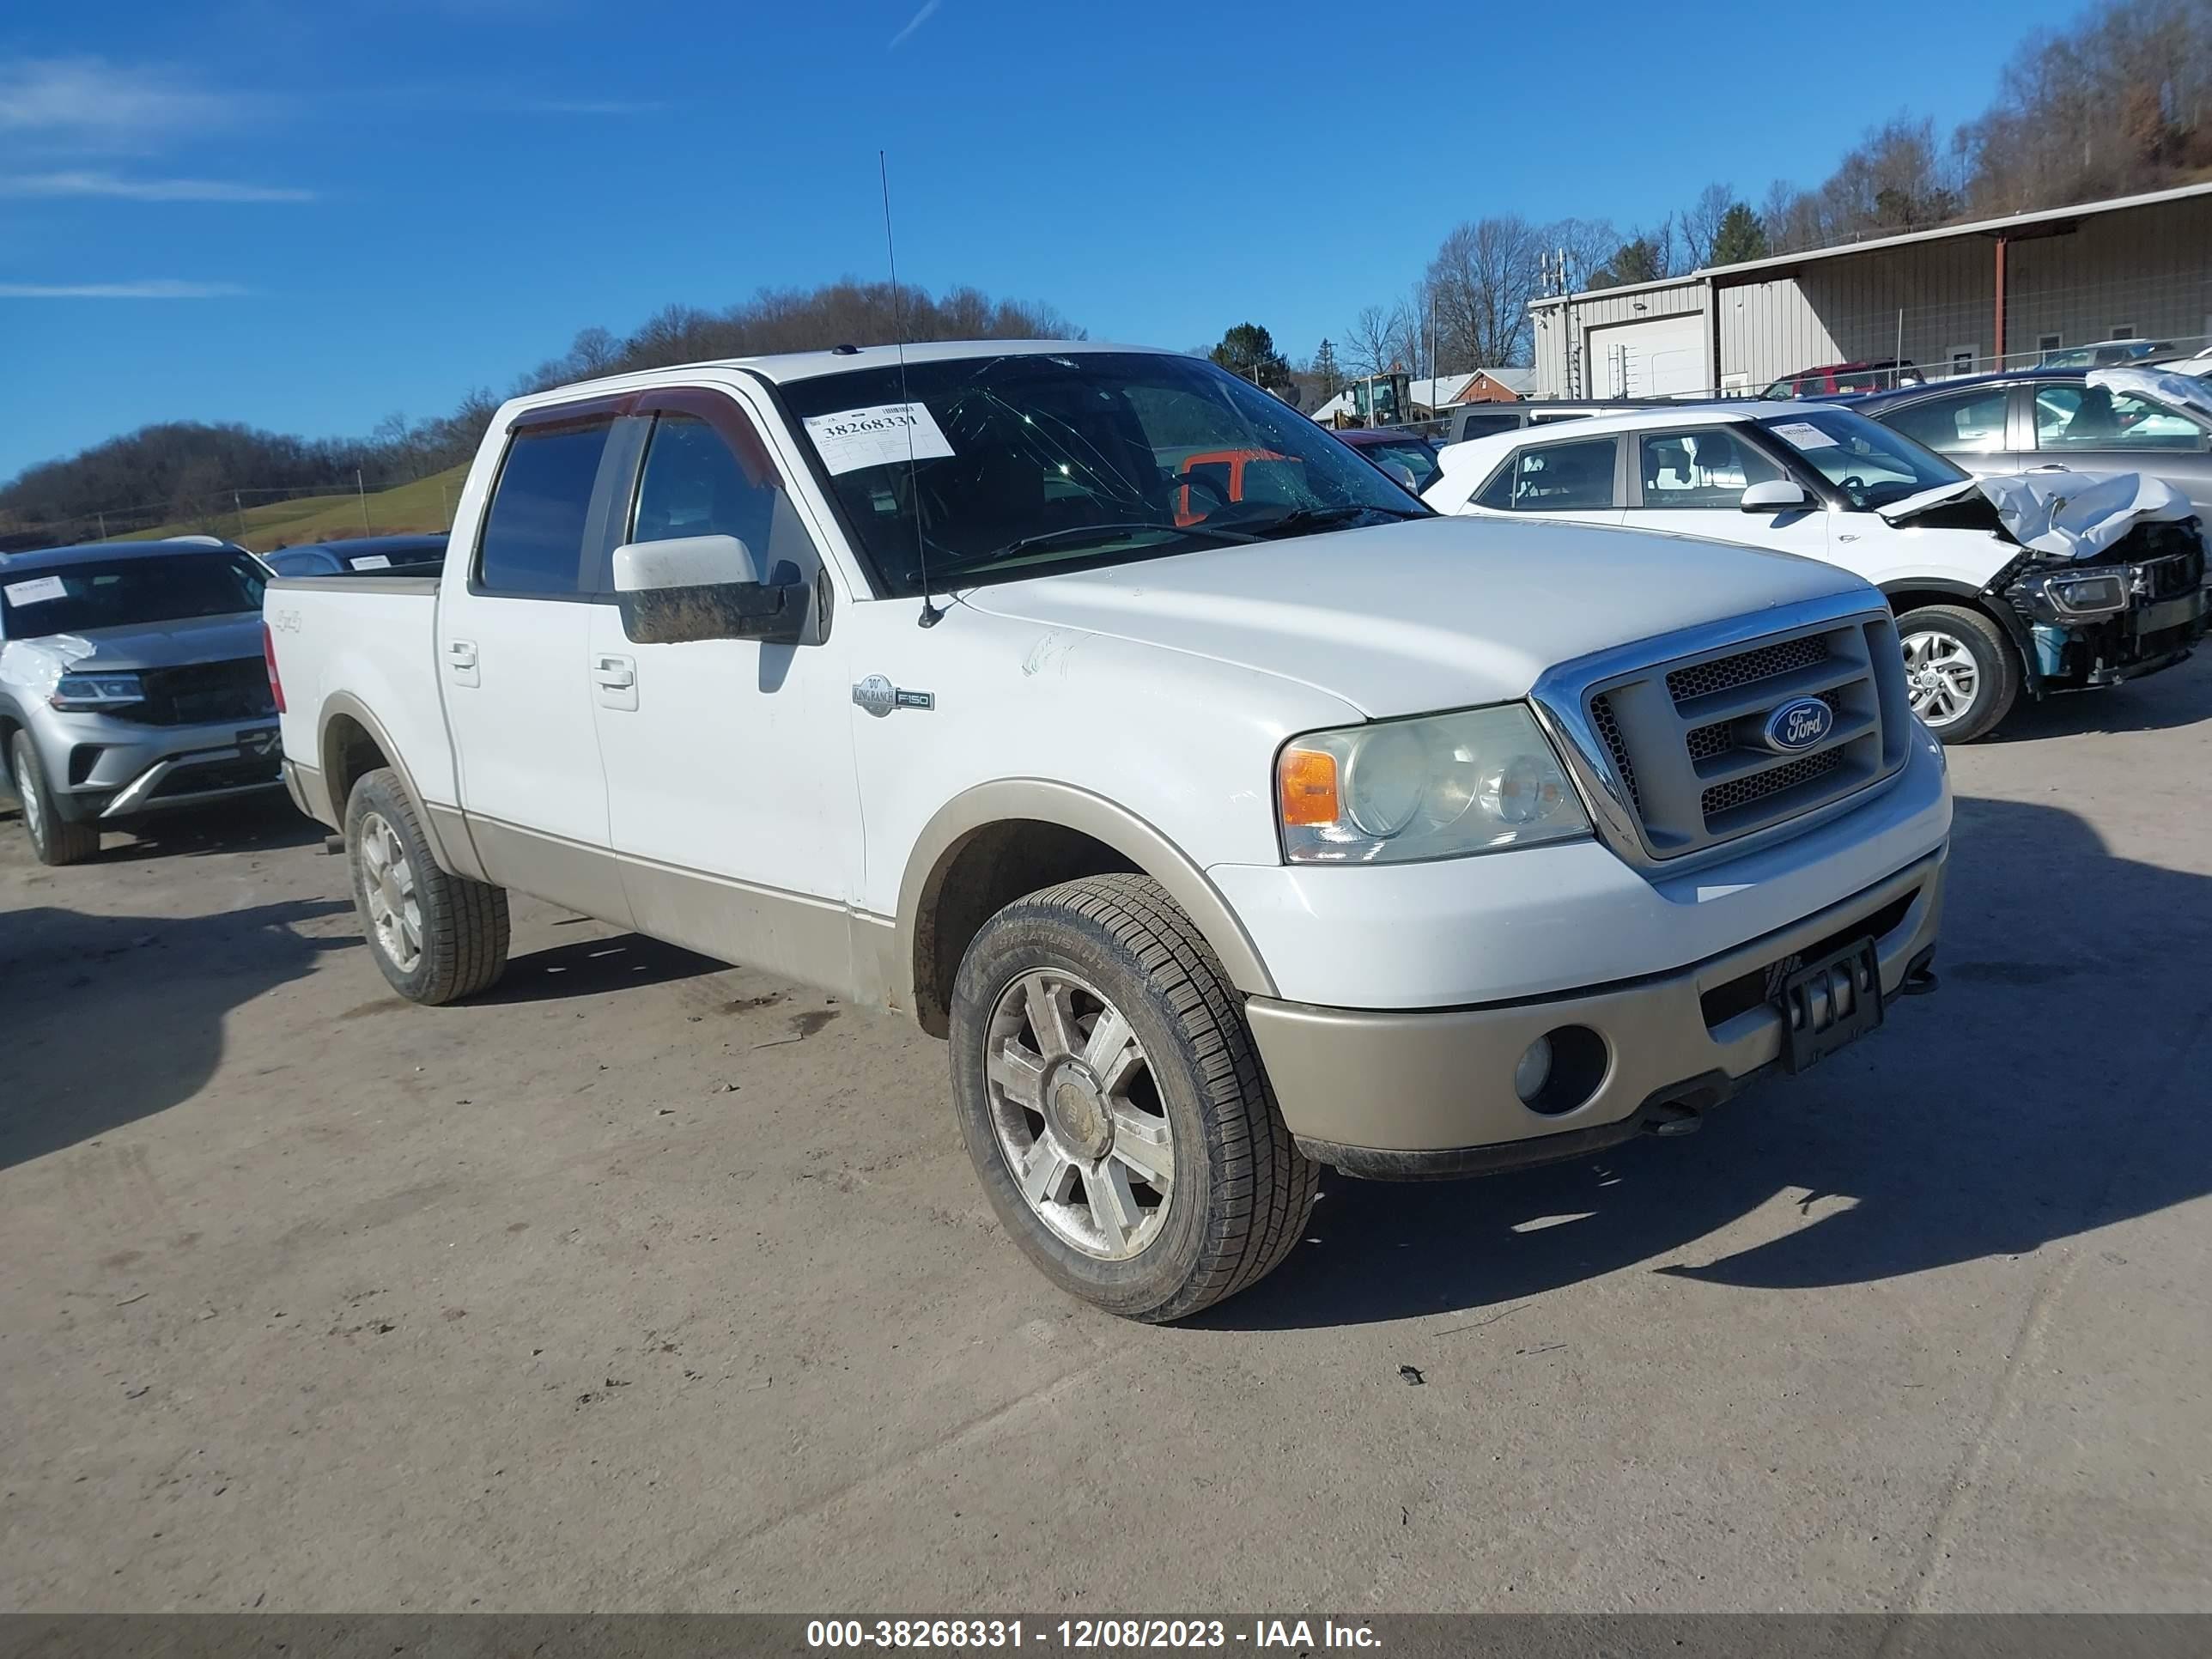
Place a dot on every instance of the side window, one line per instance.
(1966, 423)
(533, 536)
(1555, 479)
(1474, 423)
(1706, 467)
(2090, 417)
(694, 483)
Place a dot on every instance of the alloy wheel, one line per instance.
(388, 880)
(1942, 676)
(1078, 1115)
(34, 808)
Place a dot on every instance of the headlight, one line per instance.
(2087, 595)
(87, 692)
(1435, 788)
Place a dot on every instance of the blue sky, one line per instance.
(308, 217)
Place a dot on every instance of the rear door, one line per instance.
(1577, 479)
(733, 807)
(514, 623)
(1973, 428)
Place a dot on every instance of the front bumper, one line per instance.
(105, 768)
(1431, 1092)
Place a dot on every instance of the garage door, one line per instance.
(1655, 358)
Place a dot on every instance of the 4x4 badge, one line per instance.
(880, 696)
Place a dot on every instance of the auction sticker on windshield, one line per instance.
(36, 590)
(878, 436)
(1804, 434)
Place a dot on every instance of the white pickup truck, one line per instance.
(1224, 830)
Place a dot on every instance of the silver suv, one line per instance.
(132, 679)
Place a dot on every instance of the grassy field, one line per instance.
(424, 504)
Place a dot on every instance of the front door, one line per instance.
(515, 625)
(1691, 482)
(733, 809)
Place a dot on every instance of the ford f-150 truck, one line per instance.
(1318, 830)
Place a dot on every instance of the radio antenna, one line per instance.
(930, 616)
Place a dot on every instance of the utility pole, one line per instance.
(360, 490)
(238, 510)
(102, 517)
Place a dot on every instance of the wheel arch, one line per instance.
(991, 844)
(351, 741)
(1909, 592)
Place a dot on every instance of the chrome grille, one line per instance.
(1726, 673)
(1743, 792)
(1609, 729)
(1679, 739)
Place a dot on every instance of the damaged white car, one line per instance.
(2055, 581)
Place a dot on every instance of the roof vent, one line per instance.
(844, 351)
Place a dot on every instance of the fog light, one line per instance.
(1534, 1072)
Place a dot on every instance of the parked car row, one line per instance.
(2055, 582)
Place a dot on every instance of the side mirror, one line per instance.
(1404, 476)
(705, 587)
(1775, 496)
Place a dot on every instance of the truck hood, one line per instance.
(36, 664)
(1434, 613)
(2054, 514)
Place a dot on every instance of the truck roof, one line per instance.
(784, 367)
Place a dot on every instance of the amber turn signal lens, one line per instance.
(1307, 787)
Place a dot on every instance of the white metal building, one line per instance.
(1963, 298)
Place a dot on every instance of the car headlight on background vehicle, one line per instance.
(86, 693)
(1433, 787)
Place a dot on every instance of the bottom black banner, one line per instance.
(1406, 1635)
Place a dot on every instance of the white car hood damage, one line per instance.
(1437, 613)
(2059, 515)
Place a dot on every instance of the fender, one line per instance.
(1990, 598)
(445, 828)
(1103, 820)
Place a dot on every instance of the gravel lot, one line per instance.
(647, 1284)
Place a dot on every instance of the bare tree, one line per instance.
(1701, 222)
(1371, 344)
(1586, 245)
(1483, 277)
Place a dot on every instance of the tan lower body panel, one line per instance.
(1440, 1080)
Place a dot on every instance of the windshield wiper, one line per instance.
(1302, 519)
(1022, 544)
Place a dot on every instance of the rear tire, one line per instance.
(436, 937)
(1962, 673)
(54, 839)
(1101, 1062)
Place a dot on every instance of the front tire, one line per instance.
(1960, 670)
(1114, 1105)
(436, 937)
(54, 839)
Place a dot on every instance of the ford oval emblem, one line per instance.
(1798, 724)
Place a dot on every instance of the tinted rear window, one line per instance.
(533, 536)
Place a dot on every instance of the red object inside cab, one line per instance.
(1227, 468)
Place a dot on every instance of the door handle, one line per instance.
(2049, 467)
(616, 673)
(461, 653)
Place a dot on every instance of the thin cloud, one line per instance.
(159, 288)
(588, 106)
(107, 186)
(92, 100)
(928, 10)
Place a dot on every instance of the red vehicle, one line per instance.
(1229, 472)
(1844, 380)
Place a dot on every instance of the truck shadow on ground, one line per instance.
(592, 967)
(109, 1019)
(2055, 1084)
